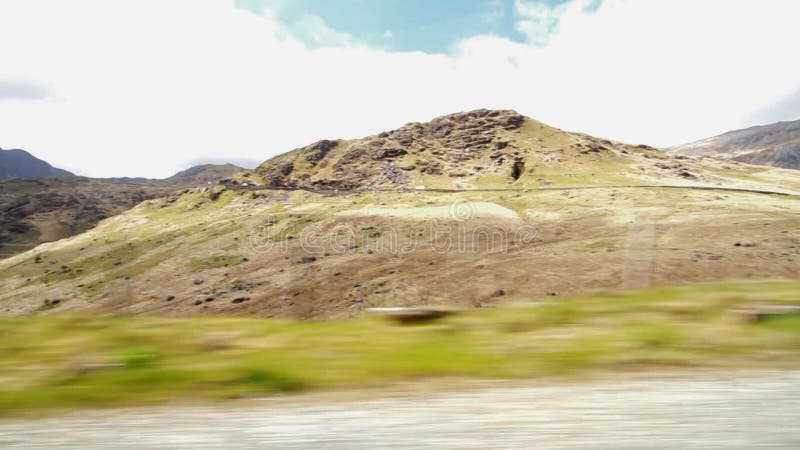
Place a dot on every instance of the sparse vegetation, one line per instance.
(215, 262)
(160, 243)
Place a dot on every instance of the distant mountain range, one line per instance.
(40, 203)
(776, 145)
(204, 173)
(17, 163)
(195, 175)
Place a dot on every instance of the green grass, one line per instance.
(61, 361)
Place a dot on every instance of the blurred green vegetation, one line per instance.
(62, 361)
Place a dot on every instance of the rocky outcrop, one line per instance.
(316, 151)
(393, 158)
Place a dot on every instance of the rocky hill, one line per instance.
(44, 209)
(203, 174)
(17, 163)
(776, 145)
(470, 209)
(476, 149)
(465, 145)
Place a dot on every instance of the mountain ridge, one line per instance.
(776, 144)
(199, 173)
(43, 209)
(17, 163)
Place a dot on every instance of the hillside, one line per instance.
(776, 145)
(203, 174)
(21, 164)
(45, 209)
(470, 209)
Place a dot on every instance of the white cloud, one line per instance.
(140, 90)
(314, 29)
(21, 90)
(538, 21)
(786, 108)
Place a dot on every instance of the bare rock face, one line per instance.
(276, 174)
(316, 151)
(472, 132)
(393, 158)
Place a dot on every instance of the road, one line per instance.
(325, 191)
(731, 411)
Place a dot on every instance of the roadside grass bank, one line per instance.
(51, 362)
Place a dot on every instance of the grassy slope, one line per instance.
(37, 210)
(71, 361)
(583, 240)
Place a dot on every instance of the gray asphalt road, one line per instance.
(732, 411)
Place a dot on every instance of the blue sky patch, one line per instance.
(431, 26)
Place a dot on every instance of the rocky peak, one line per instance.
(464, 134)
(393, 157)
(467, 150)
(16, 163)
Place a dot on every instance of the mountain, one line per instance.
(477, 149)
(195, 175)
(776, 145)
(44, 209)
(21, 164)
(204, 173)
(469, 209)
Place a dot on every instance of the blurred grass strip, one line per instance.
(59, 361)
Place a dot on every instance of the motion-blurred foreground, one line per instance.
(749, 409)
(51, 362)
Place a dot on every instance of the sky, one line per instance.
(149, 87)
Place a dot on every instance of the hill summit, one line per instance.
(402, 156)
(16, 163)
(474, 150)
(204, 173)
